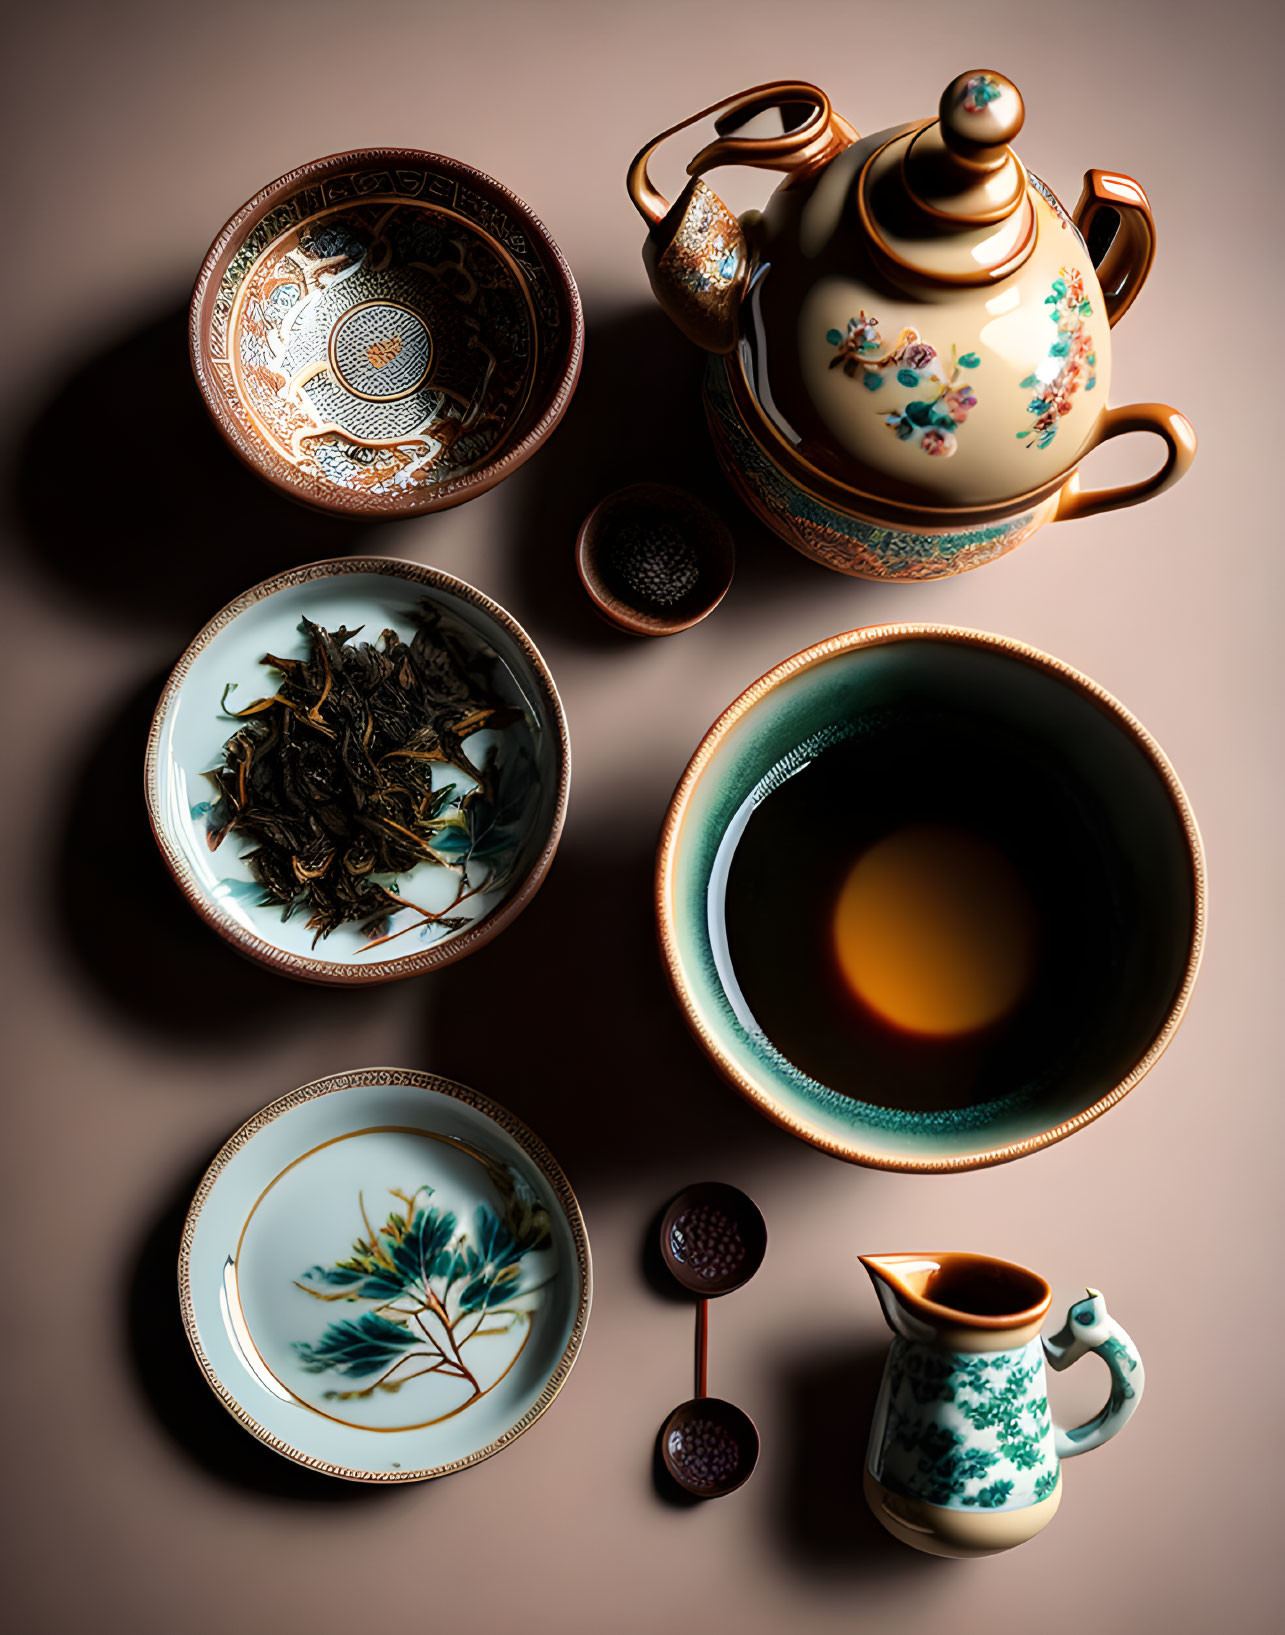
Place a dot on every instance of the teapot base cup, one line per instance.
(821, 523)
(959, 1534)
(844, 540)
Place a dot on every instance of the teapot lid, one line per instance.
(946, 200)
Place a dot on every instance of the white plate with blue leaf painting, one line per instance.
(511, 835)
(384, 1276)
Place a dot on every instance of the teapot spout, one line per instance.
(696, 254)
(923, 1295)
(696, 259)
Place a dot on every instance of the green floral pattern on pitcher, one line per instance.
(966, 1430)
(1045, 1484)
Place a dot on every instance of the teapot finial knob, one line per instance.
(960, 169)
(981, 113)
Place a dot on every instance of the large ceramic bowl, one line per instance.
(190, 728)
(386, 332)
(384, 1276)
(1143, 964)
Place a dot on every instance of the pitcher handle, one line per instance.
(1090, 1327)
(1179, 436)
(1123, 267)
(817, 137)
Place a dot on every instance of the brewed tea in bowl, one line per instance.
(930, 898)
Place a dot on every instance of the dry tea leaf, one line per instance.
(331, 776)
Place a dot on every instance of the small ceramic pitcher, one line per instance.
(964, 1457)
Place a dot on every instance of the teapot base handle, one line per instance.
(1157, 418)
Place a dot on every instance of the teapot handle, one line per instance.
(1179, 436)
(819, 135)
(1123, 267)
(1090, 1327)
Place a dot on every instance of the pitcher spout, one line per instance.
(899, 1281)
(944, 1296)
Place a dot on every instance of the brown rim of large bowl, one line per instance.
(455, 946)
(531, 1145)
(876, 636)
(363, 505)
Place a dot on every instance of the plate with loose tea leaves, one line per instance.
(358, 771)
(385, 1276)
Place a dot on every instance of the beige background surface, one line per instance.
(136, 1042)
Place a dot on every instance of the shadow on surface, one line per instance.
(128, 926)
(566, 1019)
(171, 1379)
(129, 498)
(822, 1521)
(636, 417)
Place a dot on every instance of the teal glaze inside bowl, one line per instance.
(1139, 940)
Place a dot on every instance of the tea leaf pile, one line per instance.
(331, 777)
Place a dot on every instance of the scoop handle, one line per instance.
(1123, 267)
(1179, 437)
(702, 1348)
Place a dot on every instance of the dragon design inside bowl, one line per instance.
(383, 345)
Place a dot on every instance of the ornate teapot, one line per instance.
(910, 348)
(964, 1456)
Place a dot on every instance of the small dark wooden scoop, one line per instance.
(712, 1239)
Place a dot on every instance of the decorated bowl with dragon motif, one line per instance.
(386, 332)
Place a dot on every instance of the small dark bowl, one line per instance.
(709, 1447)
(721, 1268)
(700, 527)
